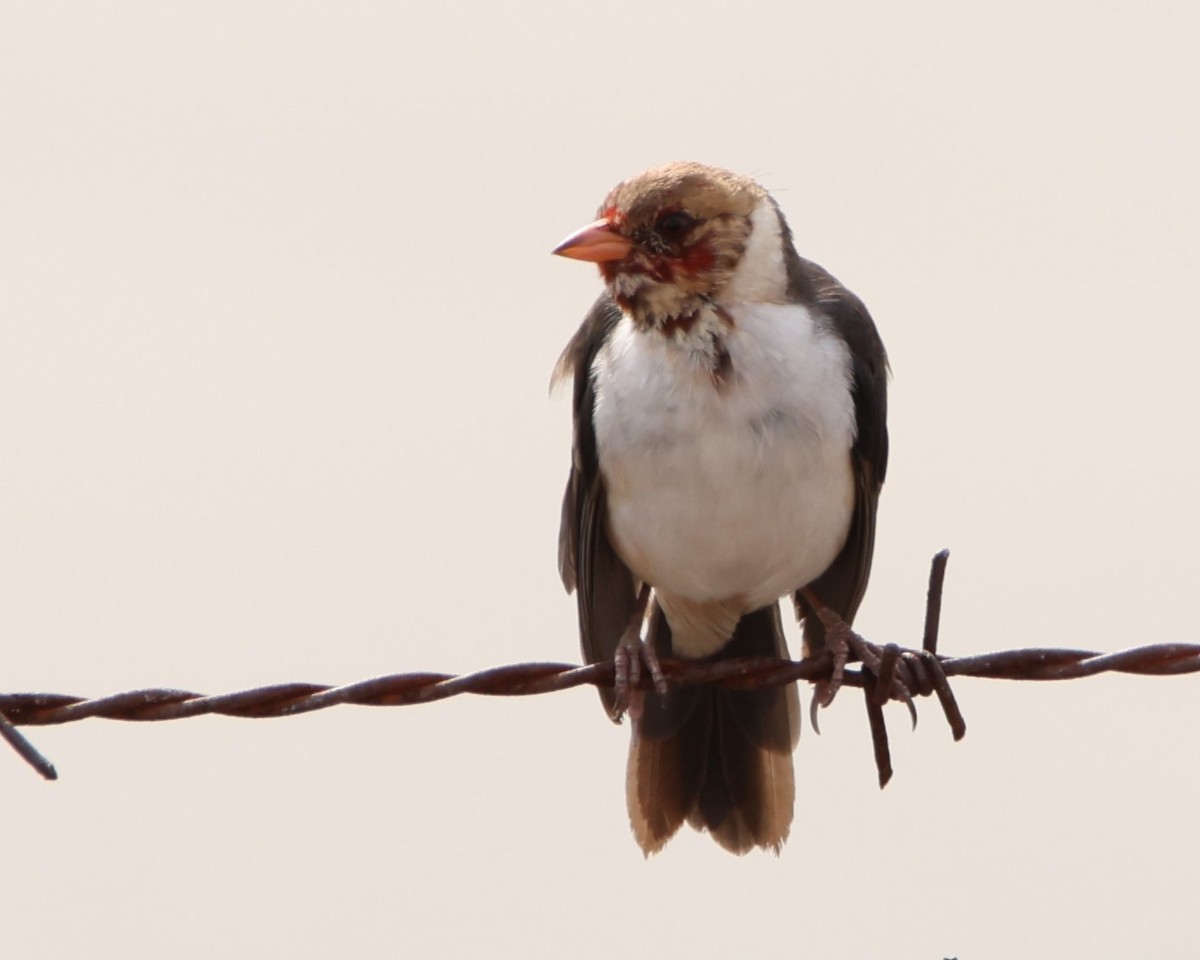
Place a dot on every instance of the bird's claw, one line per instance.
(881, 662)
(631, 653)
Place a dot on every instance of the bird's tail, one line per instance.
(720, 759)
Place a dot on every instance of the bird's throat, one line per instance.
(700, 335)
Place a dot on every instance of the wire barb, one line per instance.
(26, 750)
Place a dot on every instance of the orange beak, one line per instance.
(596, 242)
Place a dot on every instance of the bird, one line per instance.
(729, 411)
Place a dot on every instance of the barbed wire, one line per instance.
(888, 673)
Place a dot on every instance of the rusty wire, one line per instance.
(889, 673)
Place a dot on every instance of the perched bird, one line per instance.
(730, 441)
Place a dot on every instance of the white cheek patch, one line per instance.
(761, 274)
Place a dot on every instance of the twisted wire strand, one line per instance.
(887, 673)
(529, 679)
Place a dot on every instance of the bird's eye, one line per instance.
(673, 225)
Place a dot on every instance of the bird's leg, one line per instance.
(837, 639)
(632, 651)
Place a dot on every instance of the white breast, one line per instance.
(728, 493)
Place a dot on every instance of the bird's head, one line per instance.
(670, 241)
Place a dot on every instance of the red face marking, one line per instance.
(698, 258)
(691, 262)
(662, 270)
(614, 217)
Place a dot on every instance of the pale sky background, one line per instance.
(278, 320)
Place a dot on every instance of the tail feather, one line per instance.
(719, 759)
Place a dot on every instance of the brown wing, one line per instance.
(842, 586)
(605, 589)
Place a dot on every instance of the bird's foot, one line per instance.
(889, 672)
(846, 645)
(628, 659)
(631, 655)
